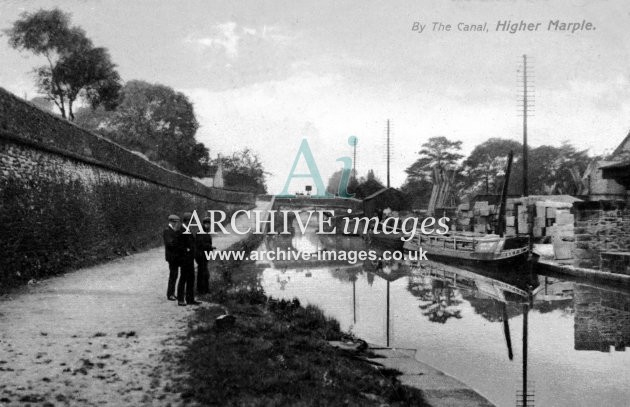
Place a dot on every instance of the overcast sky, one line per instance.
(265, 74)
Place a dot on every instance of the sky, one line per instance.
(267, 74)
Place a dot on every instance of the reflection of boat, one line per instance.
(476, 283)
(470, 247)
(341, 242)
(484, 287)
(386, 237)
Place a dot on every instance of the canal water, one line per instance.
(466, 322)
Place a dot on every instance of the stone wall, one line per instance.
(602, 319)
(600, 227)
(70, 198)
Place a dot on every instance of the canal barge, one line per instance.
(470, 247)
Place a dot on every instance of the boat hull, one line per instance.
(439, 250)
(391, 242)
(459, 258)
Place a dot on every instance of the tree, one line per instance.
(156, 121)
(243, 170)
(483, 169)
(368, 185)
(436, 152)
(417, 192)
(335, 180)
(550, 168)
(75, 69)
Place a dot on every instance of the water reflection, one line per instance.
(495, 330)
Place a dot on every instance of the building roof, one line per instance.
(615, 165)
(623, 146)
(379, 192)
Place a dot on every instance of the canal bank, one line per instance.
(558, 267)
(438, 388)
(287, 343)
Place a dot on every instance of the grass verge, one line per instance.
(275, 354)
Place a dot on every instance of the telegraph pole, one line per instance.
(527, 103)
(388, 153)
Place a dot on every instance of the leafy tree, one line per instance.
(550, 168)
(75, 69)
(243, 170)
(368, 185)
(436, 152)
(335, 180)
(156, 121)
(417, 192)
(483, 169)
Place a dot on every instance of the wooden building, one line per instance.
(391, 198)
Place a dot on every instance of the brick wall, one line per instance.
(70, 198)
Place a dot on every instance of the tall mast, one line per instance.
(504, 191)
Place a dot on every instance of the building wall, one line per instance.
(599, 230)
(70, 198)
(599, 188)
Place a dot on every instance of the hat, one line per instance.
(206, 220)
(187, 215)
(173, 217)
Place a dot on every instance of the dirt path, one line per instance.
(95, 336)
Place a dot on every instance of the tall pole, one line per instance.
(354, 160)
(387, 153)
(525, 106)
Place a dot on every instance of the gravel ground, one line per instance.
(97, 336)
(103, 335)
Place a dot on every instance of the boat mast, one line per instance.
(504, 191)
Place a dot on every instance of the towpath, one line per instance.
(96, 336)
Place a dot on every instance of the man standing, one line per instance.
(203, 244)
(186, 285)
(172, 253)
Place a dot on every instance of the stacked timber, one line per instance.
(464, 218)
(441, 193)
(553, 219)
(483, 217)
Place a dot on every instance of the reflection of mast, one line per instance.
(387, 321)
(525, 317)
(524, 398)
(354, 301)
(506, 331)
(353, 277)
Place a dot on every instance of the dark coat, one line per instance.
(187, 246)
(172, 250)
(203, 243)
